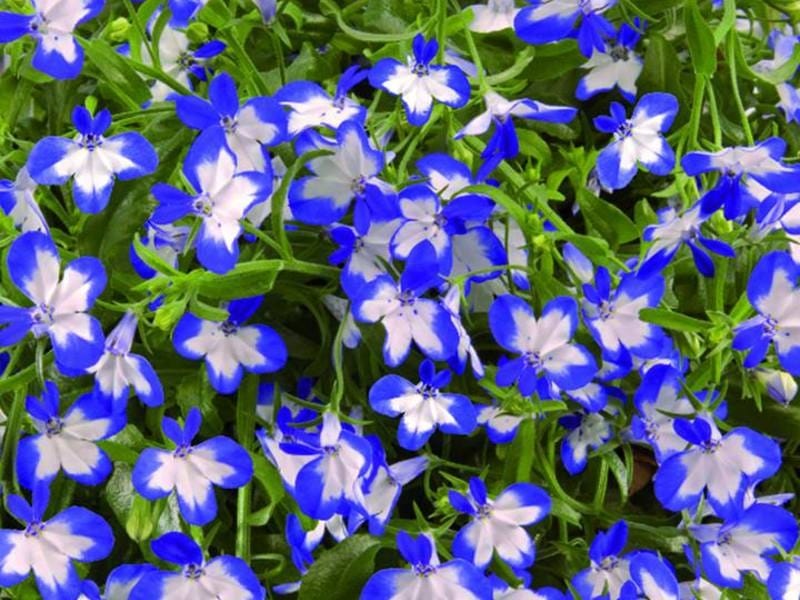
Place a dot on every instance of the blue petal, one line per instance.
(228, 452)
(534, 29)
(173, 204)
(609, 168)
(45, 155)
(151, 394)
(196, 112)
(509, 317)
(146, 466)
(385, 390)
(137, 149)
(223, 96)
(177, 548)
(86, 524)
(13, 26)
(55, 64)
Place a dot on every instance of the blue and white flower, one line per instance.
(427, 578)
(52, 26)
(744, 544)
(18, 202)
(773, 292)
(331, 481)
(200, 579)
(780, 385)
(423, 407)
(123, 579)
(674, 230)
(349, 173)
(419, 83)
(230, 347)
(546, 355)
(784, 580)
(49, 547)
(609, 570)
(222, 197)
(613, 316)
(407, 316)
(283, 436)
(259, 122)
(118, 369)
(652, 578)
(498, 524)
(723, 467)
(501, 426)
(614, 66)
(91, 160)
(60, 304)
(586, 431)
(495, 15)
(311, 106)
(66, 442)
(761, 163)
(638, 140)
(192, 471)
(546, 21)
(364, 254)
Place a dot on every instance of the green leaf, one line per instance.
(246, 279)
(728, 19)
(115, 73)
(610, 222)
(674, 321)
(341, 572)
(700, 38)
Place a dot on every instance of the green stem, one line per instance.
(714, 110)
(697, 110)
(731, 52)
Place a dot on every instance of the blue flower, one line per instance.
(91, 160)
(223, 195)
(761, 163)
(191, 471)
(259, 122)
(784, 579)
(330, 482)
(198, 578)
(349, 173)
(586, 431)
(60, 304)
(616, 65)
(652, 578)
(57, 51)
(722, 466)
(638, 140)
(423, 407)
(744, 543)
(123, 579)
(546, 21)
(49, 547)
(427, 578)
(419, 83)
(674, 230)
(498, 524)
(405, 315)
(118, 369)
(18, 202)
(230, 347)
(313, 107)
(501, 426)
(504, 143)
(613, 316)
(364, 253)
(286, 436)
(608, 569)
(66, 442)
(773, 292)
(546, 355)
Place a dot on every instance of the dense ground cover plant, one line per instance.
(402, 300)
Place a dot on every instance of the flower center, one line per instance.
(227, 328)
(421, 570)
(427, 391)
(770, 327)
(534, 360)
(420, 69)
(182, 451)
(358, 185)
(624, 130)
(710, 446)
(193, 571)
(203, 205)
(90, 141)
(43, 317)
(34, 529)
(229, 124)
(407, 298)
(619, 53)
(484, 511)
(609, 563)
(53, 426)
(186, 60)
(605, 310)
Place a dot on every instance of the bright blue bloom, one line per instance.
(184, 11)
(504, 143)
(546, 21)
(223, 195)
(784, 580)
(652, 578)
(57, 51)
(614, 66)
(18, 202)
(674, 230)
(586, 431)
(364, 253)
(501, 427)
(425, 218)
(427, 578)
(5, 358)
(722, 466)
(761, 163)
(49, 547)
(446, 175)
(419, 83)
(407, 316)
(498, 524)
(286, 436)
(230, 347)
(198, 579)
(745, 543)
(66, 442)
(168, 241)
(123, 579)
(608, 569)
(638, 140)
(330, 482)
(546, 355)
(313, 107)
(424, 407)
(349, 173)
(60, 304)
(259, 122)
(773, 292)
(613, 316)
(91, 160)
(192, 471)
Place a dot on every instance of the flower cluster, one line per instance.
(411, 345)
